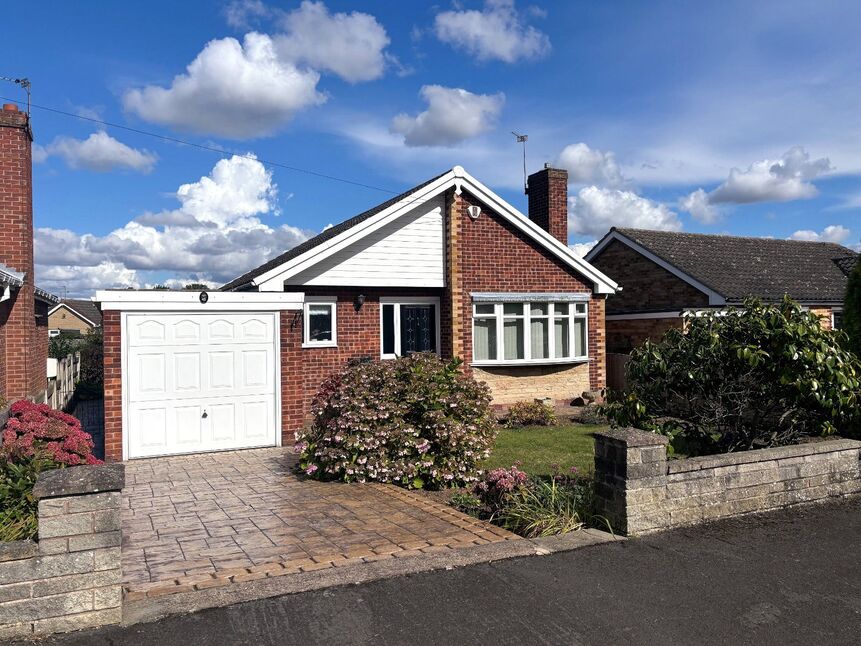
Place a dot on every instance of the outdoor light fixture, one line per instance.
(474, 211)
(360, 300)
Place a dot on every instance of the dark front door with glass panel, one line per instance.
(408, 328)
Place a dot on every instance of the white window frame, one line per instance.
(835, 310)
(306, 327)
(398, 302)
(573, 316)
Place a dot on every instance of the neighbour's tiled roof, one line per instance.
(737, 267)
(326, 234)
(87, 309)
(847, 264)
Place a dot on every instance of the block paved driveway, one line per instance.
(201, 521)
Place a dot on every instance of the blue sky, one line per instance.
(724, 117)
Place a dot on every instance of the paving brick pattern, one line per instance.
(197, 522)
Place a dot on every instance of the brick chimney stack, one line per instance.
(548, 201)
(22, 374)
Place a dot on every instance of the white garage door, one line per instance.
(200, 382)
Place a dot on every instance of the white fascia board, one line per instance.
(714, 297)
(273, 279)
(167, 301)
(73, 311)
(459, 178)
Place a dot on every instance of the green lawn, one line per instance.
(537, 447)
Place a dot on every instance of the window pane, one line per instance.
(513, 309)
(484, 308)
(838, 320)
(513, 339)
(319, 323)
(485, 340)
(580, 308)
(539, 309)
(539, 338)
(579, 337)
(560, 309)
(388, 329)
(418, 328)
(563, 338)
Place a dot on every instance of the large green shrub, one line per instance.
(750, 377)
(18, 507)
(534, 413)
(418, 421)
(852, 310)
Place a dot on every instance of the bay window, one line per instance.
(532, 331)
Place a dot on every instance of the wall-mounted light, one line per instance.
(360, 300)
(474, 211)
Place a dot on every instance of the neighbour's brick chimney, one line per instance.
(548, 201)
(22, 372)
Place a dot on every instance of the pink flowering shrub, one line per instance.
(418, 421)
(39, 431)
(498, 485)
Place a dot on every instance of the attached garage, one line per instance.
(201, 372)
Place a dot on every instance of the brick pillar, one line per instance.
(630, 477)
(597, 343)
(548, 201)
(112, 339)
(24, 368)
(453, 300)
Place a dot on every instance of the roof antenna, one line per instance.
(521, 139)
(25, 85)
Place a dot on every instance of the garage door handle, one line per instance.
(205, 415)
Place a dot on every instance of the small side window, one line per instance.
(320, 324)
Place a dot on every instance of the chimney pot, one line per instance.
(10, 107)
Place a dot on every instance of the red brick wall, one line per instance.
(548, 201)
(113, 386)
(24, 364)
(493, 256)
(624, 336)
(647, 287)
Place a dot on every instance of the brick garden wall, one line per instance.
(71, 578)
(640, 491)
(113, 383)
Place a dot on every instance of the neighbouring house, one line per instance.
(664, 274)
(23, 306)
(74, 316)
(446, 267)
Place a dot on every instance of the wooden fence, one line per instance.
(61, 382)
(616, 364)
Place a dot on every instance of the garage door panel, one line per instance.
(200, 382)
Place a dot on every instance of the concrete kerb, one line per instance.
(152, 609)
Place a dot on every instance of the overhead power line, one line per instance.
(213, 149)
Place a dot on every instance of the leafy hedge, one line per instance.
(532, 413)
(18, 507)
(417, 421)
(757, 376)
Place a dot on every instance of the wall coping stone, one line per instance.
(16, 550)
(634, 437)
(760, 455)
(80, 480)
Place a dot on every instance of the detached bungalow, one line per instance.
(446, 267)
(73, 315)
(664, 274)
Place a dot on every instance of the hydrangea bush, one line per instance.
(498, 485)
(418, 421)
(39, 431)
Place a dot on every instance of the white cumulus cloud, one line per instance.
(589, 166)
(497, 32)
(782, 180)
(582, 248)
(351, 45)
(99, 152)
(594, 210)
(453, 115)
(832, 233)
(232, 89)
(215, 234)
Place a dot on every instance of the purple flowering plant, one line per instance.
(417, 421)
